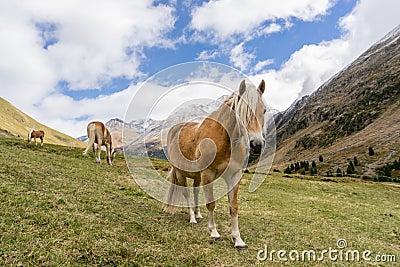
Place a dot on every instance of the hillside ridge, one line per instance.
(357, 108)
(15, 123)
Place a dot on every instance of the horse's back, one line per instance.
(96, 128)
(37, 133)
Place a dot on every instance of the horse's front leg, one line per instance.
(207, 178)
(34, 138)
(233, 187)
(196, 191)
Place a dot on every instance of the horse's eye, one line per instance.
(265, 110)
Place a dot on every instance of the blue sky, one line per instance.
(68, 62)
(278, 46)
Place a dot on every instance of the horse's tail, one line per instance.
(175, 192)
(91, 132)
(41, 138)
(30, 136)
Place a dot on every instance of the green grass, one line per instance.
(58, 207)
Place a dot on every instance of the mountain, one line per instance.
(357, 108)
(145, 136)
(149, 136)
(15, 123)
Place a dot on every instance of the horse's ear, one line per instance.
(261, 87)
(242, 87)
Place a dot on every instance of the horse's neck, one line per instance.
(229, 121)
(237, 136)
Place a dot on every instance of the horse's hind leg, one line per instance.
(41, 141)
(186, 194)
(196, 191)
(98, 153)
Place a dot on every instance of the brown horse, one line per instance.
(217, 147)
(98, 133)
(36, 134)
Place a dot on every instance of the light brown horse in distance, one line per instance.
(98, 133)
(36, 134)
(217, 147)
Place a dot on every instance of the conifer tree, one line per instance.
(338, 172)
(396, 165)
(371, 151)
(296, 166)
(350, 168)
(287, 171)
(387, 171)
(356, 162)
(313, 164)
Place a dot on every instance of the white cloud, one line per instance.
(94, 41)
(239, 58)
(312, 65)
(262, 64)
(222, 19)
(208, 54)
(369, 21)
(82, 43)
(303, 72)
(71, 116)
(272, 28)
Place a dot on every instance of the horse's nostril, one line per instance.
(256, 143)
(256, 146)
(252, 143)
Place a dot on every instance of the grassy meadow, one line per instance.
(59, 208)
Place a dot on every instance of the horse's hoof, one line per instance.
(241, 247)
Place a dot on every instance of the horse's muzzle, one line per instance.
(256, 146)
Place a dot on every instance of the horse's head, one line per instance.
(112, 150)
(251, 109)
(112, 155)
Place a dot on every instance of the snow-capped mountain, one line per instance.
(146, 134)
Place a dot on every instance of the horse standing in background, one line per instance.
(36, 134)
(98, 133)
(217, 147)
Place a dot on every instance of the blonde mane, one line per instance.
(244, 105)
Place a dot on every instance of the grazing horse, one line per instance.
(217, 147)
(98, 133)
(36, 134)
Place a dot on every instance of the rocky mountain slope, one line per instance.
(15, 123)
(357, 108)
(145, 136)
